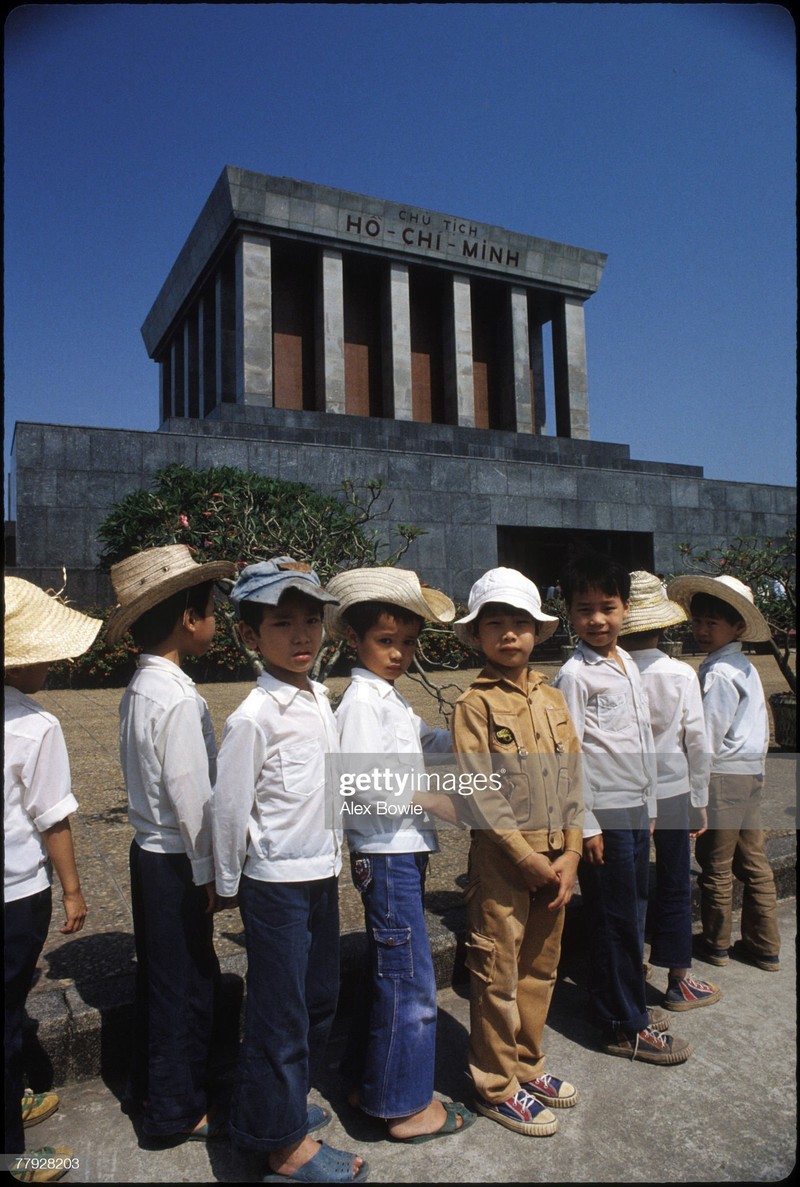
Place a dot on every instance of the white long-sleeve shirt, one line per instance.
(611, 717)
(168, 756)
(37, 792)
(272, 809)
(735, 711)
(376, 721)
(676, 716)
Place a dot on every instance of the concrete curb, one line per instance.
(76, 1035)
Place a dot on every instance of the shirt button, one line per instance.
(545, 773)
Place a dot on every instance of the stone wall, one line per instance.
(458, 484)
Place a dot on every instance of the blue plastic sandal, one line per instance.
(318, 1118)
(327, 1166)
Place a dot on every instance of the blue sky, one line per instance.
(663, 135)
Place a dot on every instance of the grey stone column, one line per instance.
(206, 368)
(458, 371)
(176, 367)
(254, 322)
(225, 334)
(330, 333)
(521, 359)
(165, 386)
(397, 342)
(537, 374)
(191, 399)
(569, 370)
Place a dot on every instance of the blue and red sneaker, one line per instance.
(549, 1090)
(522, 1112)
(687, 993)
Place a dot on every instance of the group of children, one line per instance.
(558, 784)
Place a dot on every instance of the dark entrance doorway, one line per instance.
(540, 553)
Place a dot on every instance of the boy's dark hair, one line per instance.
(707, 604)
(593, 570)
(364, 615)
(157, 623)
(252, 613)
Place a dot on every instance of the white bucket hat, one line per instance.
(727, 589)
(397, 587)
(510, 588)
(41, 630)
(649, 609)
(143, 580)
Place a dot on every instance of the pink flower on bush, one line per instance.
(184, 521)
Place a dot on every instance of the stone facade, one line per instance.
(482, 498)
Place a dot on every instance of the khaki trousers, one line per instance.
(735, 848)
(513, 949)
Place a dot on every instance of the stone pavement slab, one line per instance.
(728, 1115)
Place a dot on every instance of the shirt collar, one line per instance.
(592, 657)
(146, 660)
(727, 649)
(384, 687)
(492, 675)
(285, 693)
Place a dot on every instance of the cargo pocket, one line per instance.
(393, 946)
(480, 957)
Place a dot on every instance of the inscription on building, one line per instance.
(436, 234)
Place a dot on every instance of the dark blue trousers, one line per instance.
(25, 924)
(614, 897)
(671, 910)
(292, 935)
(176, 973)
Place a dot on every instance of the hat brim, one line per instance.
(652, 618)
(683, 589)
(41, 630)
(378, 585)
(123, 617)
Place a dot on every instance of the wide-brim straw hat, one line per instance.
(506, 587)
(39, 629)
(650, 609)
(397, 587)
(727, 589)
(143, 580)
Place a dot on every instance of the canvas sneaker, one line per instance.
(687, 993)
(549, 1090)
(657, 1019)
(522, 1112)
(648, 1046)
(37, 1106)
(770, 964)
(41, 1166)
(707, 952)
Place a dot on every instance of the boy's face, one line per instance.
(28, 680)
(711, 632)
(506, 636)
(597, 618)
(388, 647)
(289, 637)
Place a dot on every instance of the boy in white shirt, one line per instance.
(723, 616)
(167, 753)
(603, 691)
(38, 801)
(391, 1053)
(276, 852)
(684, 766)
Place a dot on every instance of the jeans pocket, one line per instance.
(395, 955)
(480, 957)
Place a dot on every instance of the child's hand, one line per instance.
(439, 805)
(226, 904)
(537, 871)
(698, 822)
(566, 867)
(75, 911)
(593, 850)
(211, 894)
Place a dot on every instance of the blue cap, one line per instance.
(266, 582)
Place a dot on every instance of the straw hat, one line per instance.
(510, 588)
(727, 589)
(650, 609)
(39, 629)
(398, 587)
(267, 581)
(143, 580)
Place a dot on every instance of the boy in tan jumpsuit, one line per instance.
(516, 737)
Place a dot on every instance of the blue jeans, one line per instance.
(614, 895)
(392, 1047)
(292, 936)
(176, 973)
(671, 910)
